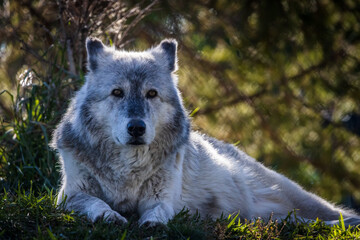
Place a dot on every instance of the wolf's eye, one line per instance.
(118, 93)
(151, 93)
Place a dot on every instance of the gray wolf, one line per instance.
(126, 145)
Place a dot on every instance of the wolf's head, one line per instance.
(132, 96)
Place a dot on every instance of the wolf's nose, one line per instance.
(136, 128)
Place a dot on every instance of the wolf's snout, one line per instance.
(136, 128)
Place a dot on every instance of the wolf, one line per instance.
(126, 146)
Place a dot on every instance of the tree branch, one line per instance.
(239, 99)
(142, 13)
(28, 49)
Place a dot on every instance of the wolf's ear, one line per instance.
(94, 48)
(168, 49)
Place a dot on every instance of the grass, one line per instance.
(34, 215)
(25, 154)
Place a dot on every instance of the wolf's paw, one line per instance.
(111, 216)
(154, 225)
(149, 221)
(159, 215)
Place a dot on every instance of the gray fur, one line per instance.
(94, 48)
(169, 47)
(105, 175)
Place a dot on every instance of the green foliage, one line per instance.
(34, 215)
(36, 108)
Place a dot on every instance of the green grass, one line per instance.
(34, 215)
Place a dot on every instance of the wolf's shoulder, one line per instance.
(70, 124)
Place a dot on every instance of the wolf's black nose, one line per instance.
(136, 128)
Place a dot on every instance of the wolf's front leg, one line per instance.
(93, 207)
(162, 192)
(157, 205)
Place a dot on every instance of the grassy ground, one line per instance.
(33, 215)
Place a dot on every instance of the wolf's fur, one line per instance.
(104, 175)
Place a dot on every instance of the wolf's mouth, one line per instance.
(136, 142)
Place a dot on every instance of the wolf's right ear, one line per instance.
(94, 48)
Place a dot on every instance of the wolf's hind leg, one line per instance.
(93, 207)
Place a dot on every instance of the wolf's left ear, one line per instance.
(95, 48)
(168, 48)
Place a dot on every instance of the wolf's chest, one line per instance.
(120, 197)
(124, 196)
(124, 185)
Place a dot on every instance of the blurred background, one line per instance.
(279, 79)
